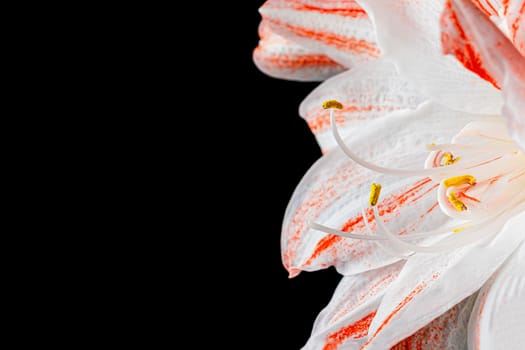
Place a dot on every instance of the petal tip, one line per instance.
(293, 272)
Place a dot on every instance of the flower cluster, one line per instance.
(419, 198)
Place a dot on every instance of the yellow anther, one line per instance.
(375, 191)
(459, 229)
(459, 205)
(459, 180)
(332, 104)
(449, 159)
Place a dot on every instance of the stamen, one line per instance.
(461, 241)
(449, 159)
(481, 225)
(517, 176)
(375, 191)
(482, 160)
(372, 237)
(459, 229)
(330, 104)
(458, 204)
(459, 180)
(379, 169)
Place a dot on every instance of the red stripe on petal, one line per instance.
(416, 291)
(356, 330)
(353, 10)
(415, 199)
(516, 24)
(505, 4)
(356, 46)
(486, 7)
(430, 210)
(292, 61)
(347, 8)
(325, 243)
(354, 13)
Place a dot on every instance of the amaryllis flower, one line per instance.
(419, 199)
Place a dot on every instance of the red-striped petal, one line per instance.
(340, 29)
(431, 284)
(345, 320)
(282, 58)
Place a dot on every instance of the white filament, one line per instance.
(389, 249)
(445, 171)
(341, 233)
(454, 147)
(484, 230)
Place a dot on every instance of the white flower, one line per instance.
(440, 258)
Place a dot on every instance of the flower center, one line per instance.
(482, 182)
(494, 172)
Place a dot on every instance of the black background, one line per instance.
(269, 149)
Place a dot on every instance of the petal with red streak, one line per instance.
(481, 47)
(431, 284)
(368, 92)
(408, 33)
(508, 15)
(345, 320)
(282, 58)
(497, 318)
(448, 331)
(335, 190)
(340, 29)
(515, 19)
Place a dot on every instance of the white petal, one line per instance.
(345, 320)
(340, 29)
(368, 92)
(282, 58)
(497, 318)
(333, 190)
(408, 33)
(431, 284)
